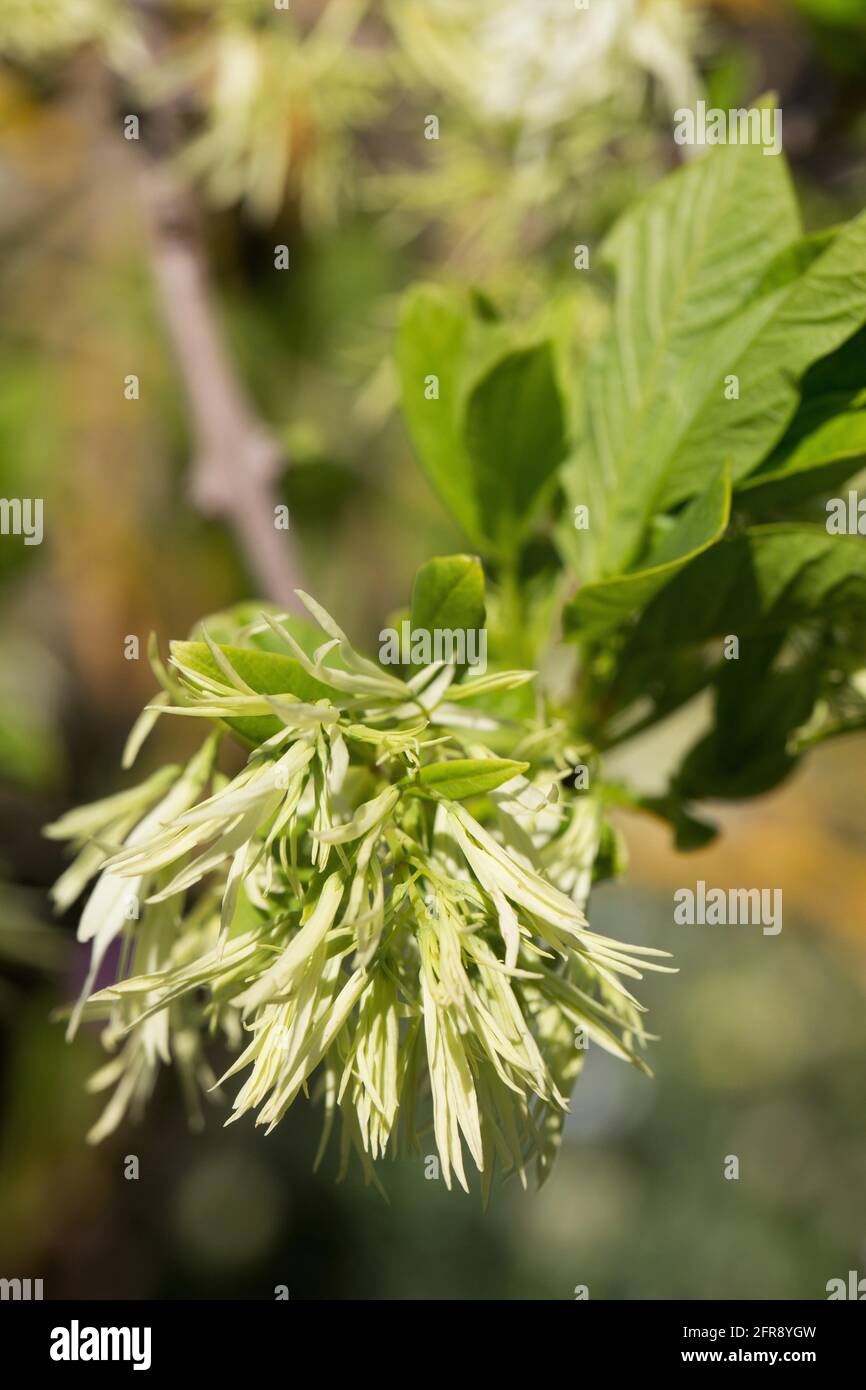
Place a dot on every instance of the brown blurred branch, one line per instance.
(237, 461)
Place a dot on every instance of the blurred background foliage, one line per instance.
(307, 128)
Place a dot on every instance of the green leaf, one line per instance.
(793, 261)
(746, 753)
(448, 593)
(687, 260)
(835, 383)
(468, 776)
(769, 347)
(818, 463)
(439, 337)
(515, 434)
(690, 833)
(824, 443)
(231, 625)
(609, 602)
(493, 433)
(268, 673)
(761, 581)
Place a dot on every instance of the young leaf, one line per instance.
(448, 593)
(267, 673)
(243, 625)
(468, 776)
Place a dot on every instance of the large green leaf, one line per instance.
(768, 347)
(609, 602)
(268, 673)
(687, 260)
(759, 582)
(792, 262)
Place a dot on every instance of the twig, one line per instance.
(236, 461)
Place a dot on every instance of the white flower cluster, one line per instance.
(338, 902)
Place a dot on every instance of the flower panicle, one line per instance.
(375, 909)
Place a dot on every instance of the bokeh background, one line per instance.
(306, 129)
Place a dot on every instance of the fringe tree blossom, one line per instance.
(377, 910)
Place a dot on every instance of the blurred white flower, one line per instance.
(540, 64)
